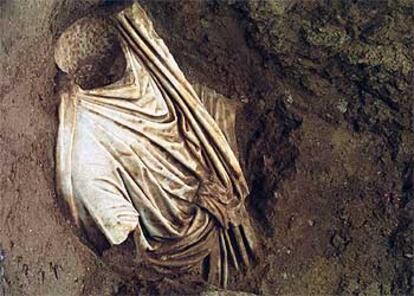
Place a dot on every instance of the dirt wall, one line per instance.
(326, 139)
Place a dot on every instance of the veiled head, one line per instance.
(89, 50)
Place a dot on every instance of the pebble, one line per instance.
(2, 255)
(2, 258)
(342, 106)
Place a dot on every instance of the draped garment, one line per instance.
(145, 155)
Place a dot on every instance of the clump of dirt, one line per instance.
(326, 140)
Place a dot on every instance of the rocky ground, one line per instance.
(326, 135)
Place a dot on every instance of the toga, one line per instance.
(149, 155)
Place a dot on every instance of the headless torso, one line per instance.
(132, 159)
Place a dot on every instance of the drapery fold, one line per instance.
(141, 36)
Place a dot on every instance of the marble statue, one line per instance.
(142, 152)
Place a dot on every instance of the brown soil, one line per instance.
(326, 138)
